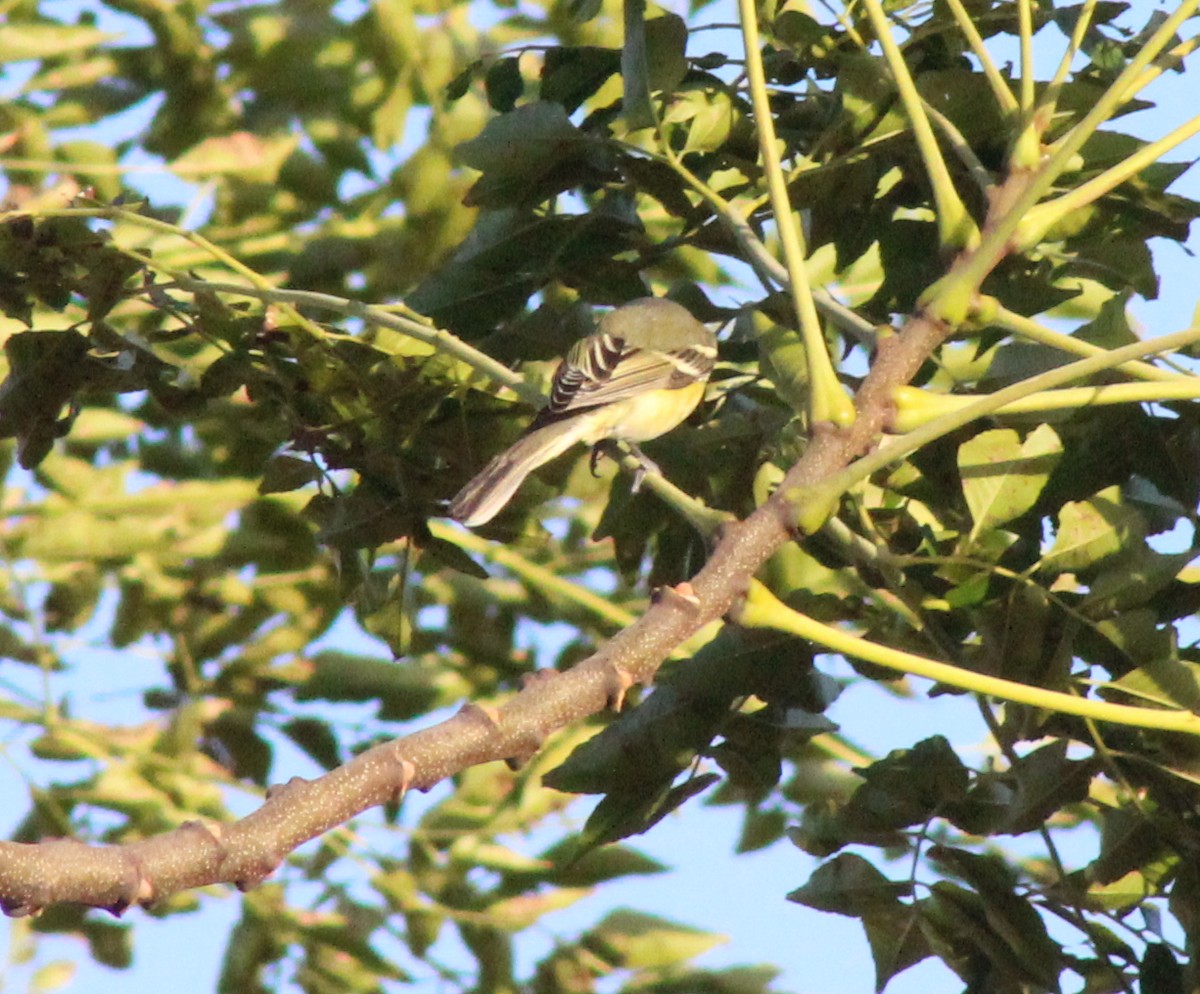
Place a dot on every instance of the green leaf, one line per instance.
(448, 554)
(53, 976)
(1160, 972)
(634, 941)
(621, 814)
(597, 865)
(897, 942)
(572, 75)
(1046, 782)
(1003, 476)
(906, 788)
(1090, 531)
(109, 943)
(317, 740)
(32, 42)
(1170, 683)
(1110, 328)
(242, 749)
(251, 157)
(529, 154)
(402, 690)
(635, 68)
(849, 885)
(284, 473)
(504, 84)
(46, 369)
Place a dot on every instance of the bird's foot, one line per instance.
(646, 465)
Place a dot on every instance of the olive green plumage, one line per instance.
(638, 376)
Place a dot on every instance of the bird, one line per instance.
(636, 377)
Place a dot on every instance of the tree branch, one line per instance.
(33, 876)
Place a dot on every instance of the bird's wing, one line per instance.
(602, 369)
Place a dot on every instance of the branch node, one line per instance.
(16, 908)
(278, 790)
(481, 713)
(537, 678)
(681, 594)
(738, 604)
(257, 873)
(617, 685)
(408, 773)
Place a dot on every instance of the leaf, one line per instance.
(224, 375)
(447, 554)
(53, 976)
(109, 943)
(1128, 844)
(243, 154)
(515, 914)
(897, 942)
(33, 42)
(1090, 531)
(761, 828)
(1110, 328)
(284, 473)
(634, 941)
(635, 68)
(1003, 476)
(1046, 782)
(785, 361)
(504, 84)
(1121, 894)
(402, 690)
(1170, 683)
(962, 918)
(906, 787)
(529, 154)
(1160, 972)
(570, 75)
(624, 813)
(849, 885)
(317, 740)
(641, 752)
(45, 370)
(597, 865)
(242, 748)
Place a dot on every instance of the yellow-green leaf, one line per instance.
(1003, 476)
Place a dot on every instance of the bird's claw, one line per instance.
(597, 452)
(646, 465)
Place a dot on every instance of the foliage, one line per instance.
(231, 453)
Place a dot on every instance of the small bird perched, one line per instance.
(639, 375)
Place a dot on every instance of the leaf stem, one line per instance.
(1049, 101)
(1048, 213)
(1034, 331)
(913, 411)
(1000, 88)
(828, 401)
(956, 228)
(811, 501)
(762, 609)
(1025, 29)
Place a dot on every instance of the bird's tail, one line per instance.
(483, 497)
